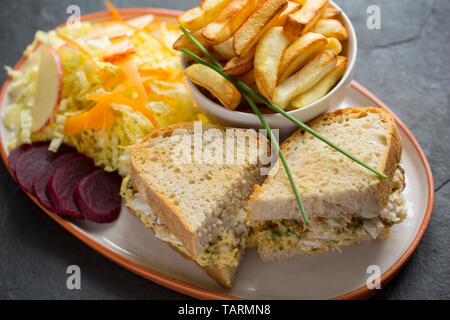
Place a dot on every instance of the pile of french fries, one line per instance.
(286, 50)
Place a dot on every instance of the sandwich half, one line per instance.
(346, 204)
(190, 184)
(226, 263)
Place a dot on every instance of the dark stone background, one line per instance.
(406, 64)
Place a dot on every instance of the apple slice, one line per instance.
(114, 30)
(142, 21)
(48, 89)
(111, 30)
(118, 50)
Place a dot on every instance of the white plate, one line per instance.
(321, 276)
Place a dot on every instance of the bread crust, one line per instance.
(388, 163)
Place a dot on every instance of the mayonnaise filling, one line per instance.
(225, 251)
(323, 234)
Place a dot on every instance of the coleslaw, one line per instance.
(141, 89)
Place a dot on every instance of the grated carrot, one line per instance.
(152, 74)
(77, 46)
(113, 11)
(113, 82)
(111, 98)
(98, 118)
(129, 68)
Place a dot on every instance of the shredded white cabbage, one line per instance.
(169, 100)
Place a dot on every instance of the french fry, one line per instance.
(218, 57)
(303, 20)
(331, 28)
(322, 87)
(256, 25)
(229, 20)
(240, 65)
(248, 78)
(305, 78)
(184, 42)
(300, 2)
(292, 7)
(255, 88)
(219, 87)
(225, 49)
(330, 13)
(193, 19)
(299, 52)
(334, 44)
(198, 17)
(269, 51)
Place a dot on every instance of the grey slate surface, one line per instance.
(406, 64)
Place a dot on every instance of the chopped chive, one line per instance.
(359, 223)
(275, 234)
(289, 232)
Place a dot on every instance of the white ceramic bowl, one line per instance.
(218, 114)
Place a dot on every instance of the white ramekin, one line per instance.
(218, 114)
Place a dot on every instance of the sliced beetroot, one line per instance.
(44, 176)
(34, 160)
(15, 154)
(98, 197)
(61, 187)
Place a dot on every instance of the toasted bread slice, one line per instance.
(224, 274)
(196, 195)
(330, 184)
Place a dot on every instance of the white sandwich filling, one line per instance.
(225, 251)
(323, 234)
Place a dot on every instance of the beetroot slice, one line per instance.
(15, 154)
(44, 176)
(98, 197)
(34, 160)
(61, 187)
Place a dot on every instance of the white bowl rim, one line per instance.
(246, 116)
